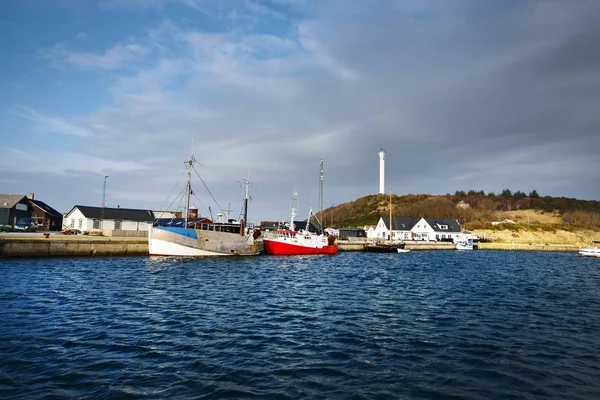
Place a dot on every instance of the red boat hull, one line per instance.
(277, 248)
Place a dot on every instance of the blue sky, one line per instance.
(461, 94)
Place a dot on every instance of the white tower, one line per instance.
(381, 171)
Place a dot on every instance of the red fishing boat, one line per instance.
(287, 241)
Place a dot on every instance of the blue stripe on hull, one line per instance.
(188, 232)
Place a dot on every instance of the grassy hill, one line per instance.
(576, 220)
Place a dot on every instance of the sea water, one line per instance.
(431, 324)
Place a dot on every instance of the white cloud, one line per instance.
(64, 163)
(112, 58)
(46, 124)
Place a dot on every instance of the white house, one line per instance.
(370, 229)
(416, 228)
(436, 229)
(85, 218)
(401, 228)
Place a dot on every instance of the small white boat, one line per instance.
(403, 250)
(590, 251)
(463, 243)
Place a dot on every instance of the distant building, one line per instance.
(417, 228)
(298, 225)
(49, 219)
(13, 207)
(370, 230)
(353, 234)
(269, 225)
(166, 214)
(86, 218)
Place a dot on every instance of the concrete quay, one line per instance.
(344, 245)
(529, 247)
(56, 245)
(14, 245)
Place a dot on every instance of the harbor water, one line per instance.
(419, 325)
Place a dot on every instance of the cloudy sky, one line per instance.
(481, 95)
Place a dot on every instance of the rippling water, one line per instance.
(439, 324)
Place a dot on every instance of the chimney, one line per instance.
(31, 196)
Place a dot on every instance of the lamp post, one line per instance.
(103, 203)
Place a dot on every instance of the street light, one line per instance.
(103, 203)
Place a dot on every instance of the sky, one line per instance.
(461, 94)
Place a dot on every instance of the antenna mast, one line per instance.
(246, 182)
(321, 191)
(188, 190)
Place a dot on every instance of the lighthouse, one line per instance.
(381, 171)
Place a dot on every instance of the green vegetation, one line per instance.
(546, 213)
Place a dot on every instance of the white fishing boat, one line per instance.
(195, 237)
(463, 243)
(593, 251)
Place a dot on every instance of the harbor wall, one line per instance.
(114, 246)
(528, 247)
(71, 247)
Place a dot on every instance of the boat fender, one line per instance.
(330, 240)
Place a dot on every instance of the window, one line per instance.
(96, 224)
(117, 225)
(80, 224)
(72, 223)
(445, 227)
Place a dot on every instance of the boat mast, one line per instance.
(321, 193)
(246, 182)
(188, 189)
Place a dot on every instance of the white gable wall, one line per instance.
(371, 233)
(423, 231)
(381, 231)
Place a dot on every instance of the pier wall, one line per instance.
(528, 247)
(71, 247)
(115, 246)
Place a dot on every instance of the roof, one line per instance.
(128, 214)
(9, 200)
(452, 224)
(401, 223)
(45, 208)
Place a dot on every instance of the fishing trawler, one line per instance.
(288, 241)
(193, 237)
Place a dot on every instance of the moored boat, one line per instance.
(384, 247)
(463, 243)
(590, 251)
(286, 241)
(201, 238)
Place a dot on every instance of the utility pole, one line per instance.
(103, 203)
